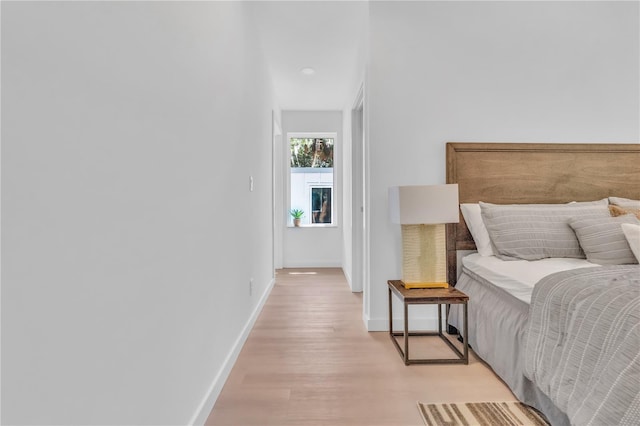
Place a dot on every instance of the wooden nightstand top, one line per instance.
(427, 295)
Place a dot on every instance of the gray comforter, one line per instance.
(582, 343)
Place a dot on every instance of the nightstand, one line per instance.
(427, 296)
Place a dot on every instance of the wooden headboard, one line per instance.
(516, 173)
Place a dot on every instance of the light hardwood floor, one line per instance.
(310, 361)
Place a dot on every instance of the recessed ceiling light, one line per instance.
(308, 71)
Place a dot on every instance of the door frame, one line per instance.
(359, 256)
(276, 227)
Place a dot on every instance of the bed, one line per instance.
(509, 308)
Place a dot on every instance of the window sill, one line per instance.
(315, 226)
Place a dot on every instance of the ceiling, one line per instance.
(327, 36)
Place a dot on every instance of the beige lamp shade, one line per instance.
(422, 211)
(424, 204)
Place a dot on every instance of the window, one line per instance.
(321, 205)
(311, 164)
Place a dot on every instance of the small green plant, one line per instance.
(296, 213)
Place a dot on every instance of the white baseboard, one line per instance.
(205, 407)
(314, 264)
(350, 281)
(348, 277)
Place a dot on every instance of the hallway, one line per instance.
(309, 360)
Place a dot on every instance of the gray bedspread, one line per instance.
(582, 343)
(497, 325)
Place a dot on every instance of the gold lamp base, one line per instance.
(424, 263)
(425, 285)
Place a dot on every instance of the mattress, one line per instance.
(518, 277)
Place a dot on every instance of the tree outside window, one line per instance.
(311, 152)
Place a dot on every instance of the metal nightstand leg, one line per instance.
(390, 316)
(406, 334)
(465, 337)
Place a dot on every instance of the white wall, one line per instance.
(312, 246)
(129, 235)
(487, 71)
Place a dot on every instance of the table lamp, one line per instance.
(423, 212)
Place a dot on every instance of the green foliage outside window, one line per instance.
(311, 152)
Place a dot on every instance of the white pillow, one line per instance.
(632, 233)
(624, 202)
(473, 218)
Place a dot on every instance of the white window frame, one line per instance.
(287, 181)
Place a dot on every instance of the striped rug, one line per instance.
(481, 414)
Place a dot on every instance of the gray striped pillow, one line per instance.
(603, 240)
(537, 231)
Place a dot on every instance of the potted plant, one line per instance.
(296, 214)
